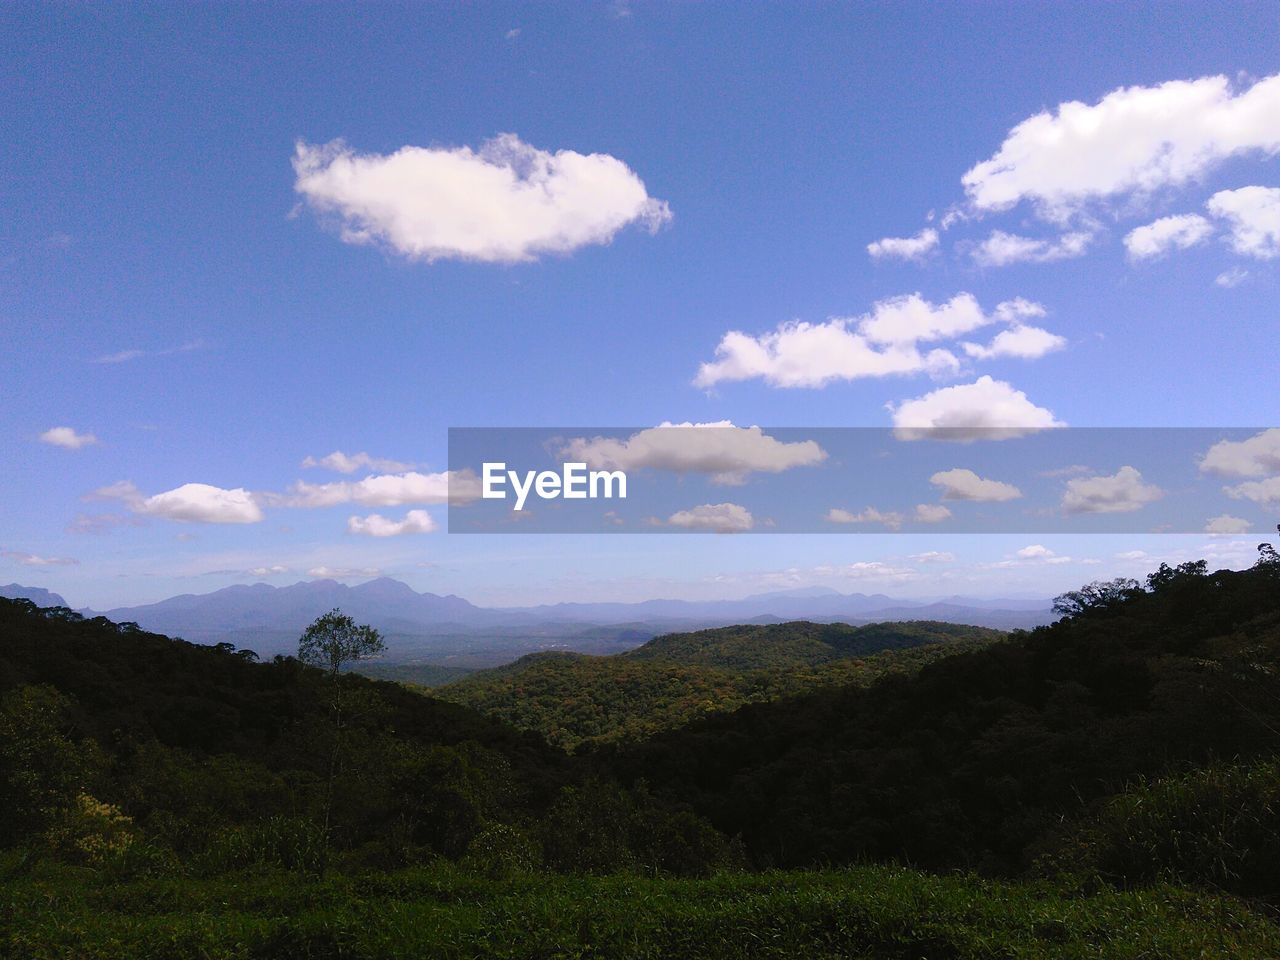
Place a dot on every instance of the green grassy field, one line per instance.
(444, 912)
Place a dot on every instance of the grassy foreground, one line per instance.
(442, 912)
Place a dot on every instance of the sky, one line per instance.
(236, 240)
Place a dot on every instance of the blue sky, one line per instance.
(154, 217)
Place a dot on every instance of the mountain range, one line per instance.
(268, 619)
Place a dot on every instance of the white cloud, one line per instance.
(343, 573)
(1227, 525)
(1231, 278)
(271, 571)
(1121, 492)
(1001, 249)
(67, 438)
(959, 484)
(504, 203)
(1257, 456)
(892, 519)
(905, 248)
(1027, 343)
(340, 462)
(385, 490)
(933, 556)
(727, 452)
(34, 560)
(1035, 551)
(124, 356)
(376, 525)
(931, 513)
(1254, 216)
(1168, 233)
(190, 503)
(1265, 492)
(880, 343)
(1134, 140)
(716, 517)
(985, 409)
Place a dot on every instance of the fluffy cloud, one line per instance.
(1121, 492)
(923, 513)
(1265, 492)
(1257, 456)
(1227, 525)
(1167, 233)
(504, 203)
(930, 513)
(726, 452)
(880, 343)
(962, 484)
(904, 248)
(274, 570)
(385, 490)
(716, 517)
(1254, 216)
(67, 438)
(189, 503)
(892, 520)
(34, 560)
(1035, 553)
(1133, 141)
(1026, 343)
(340, 462)
(1001, 249)
(376, 525)
(985, 409)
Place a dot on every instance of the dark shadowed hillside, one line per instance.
(969, 761)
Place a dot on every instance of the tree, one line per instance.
(1099, 595)
(330, 643)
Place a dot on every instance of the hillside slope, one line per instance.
(572, 699)
(968, 762)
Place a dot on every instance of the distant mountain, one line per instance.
(387, 604)
(37, 595)
(451, 630)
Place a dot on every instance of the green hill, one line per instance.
(976, 758)
(573, 699)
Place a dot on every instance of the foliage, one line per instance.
(1217, 828)
(973, 760)
(334, 640)
(574, 699)
(450, 914)
(93, 832)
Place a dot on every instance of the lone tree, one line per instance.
(330, 643)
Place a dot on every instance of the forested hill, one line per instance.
(575, 699)
(974, 760)
(800, 643)
(191, 742)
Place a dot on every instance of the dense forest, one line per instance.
(1106, 786)
(574, 699)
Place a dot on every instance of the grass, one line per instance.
(443, 912)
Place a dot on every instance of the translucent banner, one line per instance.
(723, 479)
